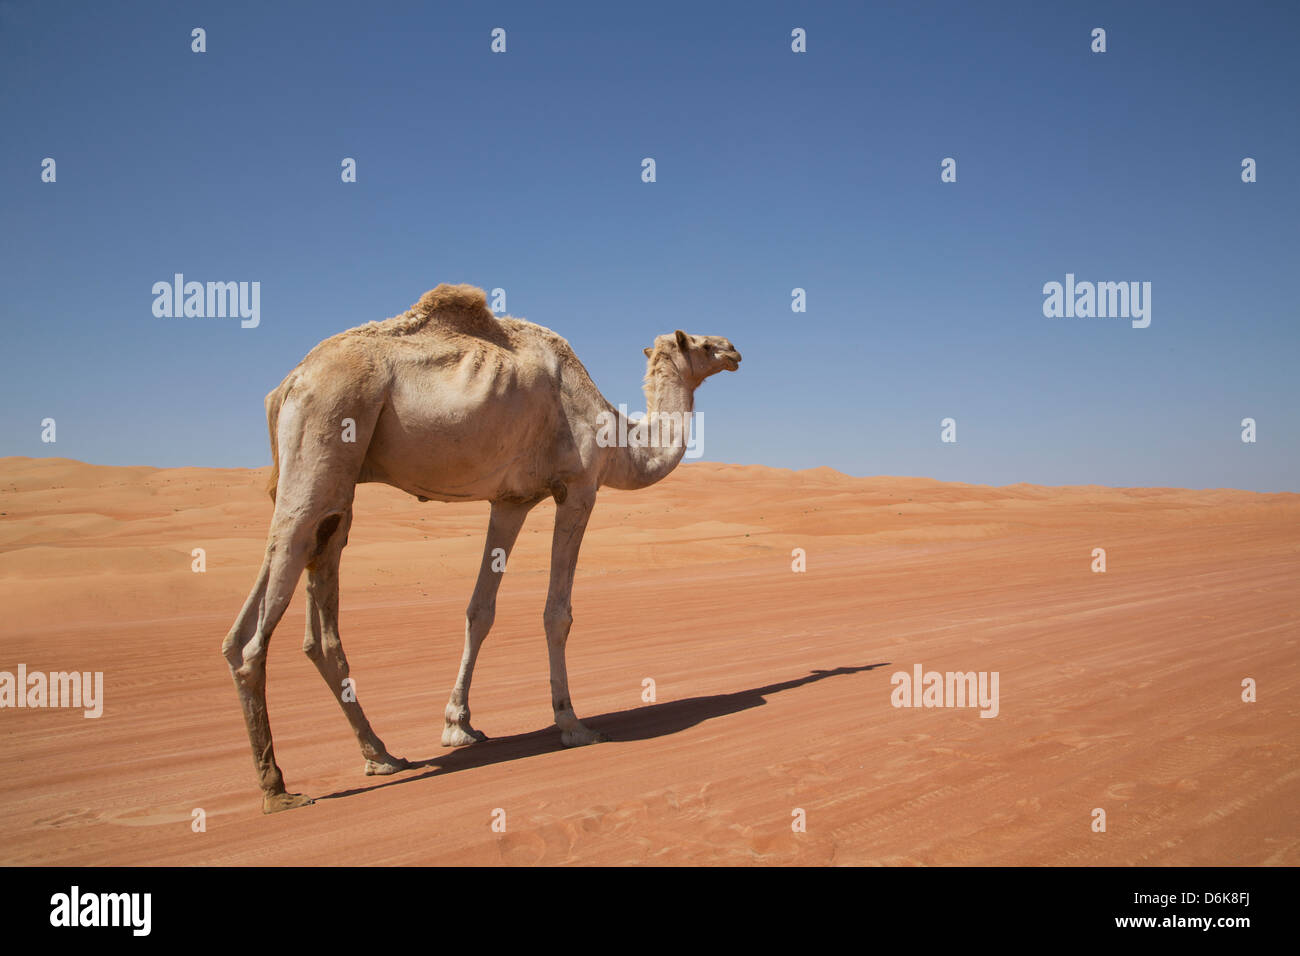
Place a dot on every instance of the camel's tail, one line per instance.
(273, 403)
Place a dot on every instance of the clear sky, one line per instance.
(775, 170)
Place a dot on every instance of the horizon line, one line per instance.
(724, 464)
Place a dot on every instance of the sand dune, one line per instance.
(1119, 691)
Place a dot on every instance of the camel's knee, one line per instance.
(480, 617)
(238, 640)
(557, 620)
(248, 666)
(245, 626)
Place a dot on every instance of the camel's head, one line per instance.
(700, 355)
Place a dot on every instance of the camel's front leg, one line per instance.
(570, 523)
(503, 529)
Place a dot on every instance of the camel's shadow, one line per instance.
(638, 723)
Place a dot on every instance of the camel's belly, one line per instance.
(458, 440)
(453, 466)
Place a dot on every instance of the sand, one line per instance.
(1120, 691)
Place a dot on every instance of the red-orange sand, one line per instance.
(1120, 691)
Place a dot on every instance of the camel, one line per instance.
(446, 402)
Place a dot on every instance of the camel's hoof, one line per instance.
(386, 765)
(275, 802)
(454, 735)
(583, 737)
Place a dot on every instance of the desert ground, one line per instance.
(1119, 690)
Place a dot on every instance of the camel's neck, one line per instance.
(654, 448)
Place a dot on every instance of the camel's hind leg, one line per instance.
(245, 649)
(317, 479)
(503, 529)
(323, 646)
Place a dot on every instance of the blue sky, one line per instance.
(775, 170)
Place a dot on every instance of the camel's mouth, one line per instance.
(731, 362)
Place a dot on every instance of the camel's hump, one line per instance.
(445, 310)
(462, 306)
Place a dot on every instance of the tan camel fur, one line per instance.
(448, 403)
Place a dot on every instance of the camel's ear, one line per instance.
(648, 352)
(683, 340)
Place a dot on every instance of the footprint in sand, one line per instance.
(526, 848)
(69, 818)
(911, 739)
(149, 817)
